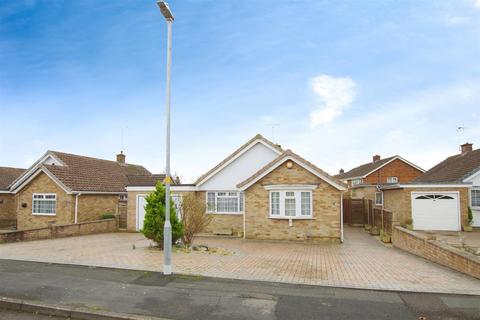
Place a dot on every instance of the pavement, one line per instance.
(361, 262)
(195, 297)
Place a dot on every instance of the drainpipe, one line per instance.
(76, 208)
(341, 217)
(244, 223)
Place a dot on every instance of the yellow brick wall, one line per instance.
(92, 207)
(7, 207)
(43, 184)
(325, 223)
(399, 202)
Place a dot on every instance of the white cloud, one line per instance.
(476, 3)
(335, 95)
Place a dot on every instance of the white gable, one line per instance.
(241, 168)
(474, 179)
(49, 160)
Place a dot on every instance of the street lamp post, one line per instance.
(167, 229)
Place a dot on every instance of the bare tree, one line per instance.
(194, 218)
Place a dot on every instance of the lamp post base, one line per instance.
(167, 269)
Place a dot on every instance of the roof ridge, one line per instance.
(93, 158)
(15, 168)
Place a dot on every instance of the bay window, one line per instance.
(290, 204)
(228, 202)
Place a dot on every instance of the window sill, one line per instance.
(292, 218)
(227, 213)
(44, 214)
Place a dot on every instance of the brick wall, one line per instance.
(435, 251)
(60, 231)
(397, 168)
(7, 207)
(325, 223)
(92, 207)
(43, 184)
(221, 222)
(399, 201)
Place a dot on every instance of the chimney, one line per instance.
(466, 147)
(376, 158)
(341, 171)
(121, 158)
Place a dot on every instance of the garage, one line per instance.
(436, 211)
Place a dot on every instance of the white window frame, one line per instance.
(381, 198)
(477, 189)
(239, 195)
(356, 182)
(298, 204)
(392, 179)
(43, 213)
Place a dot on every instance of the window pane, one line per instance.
(475, 197)
(306, 209)
(240, 202)
(227, 203)
(290, 194)
(44, 204)
(211, 201)
(275, 202)
(290, 206)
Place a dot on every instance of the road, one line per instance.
(187, 297)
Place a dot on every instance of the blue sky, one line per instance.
(342, 79)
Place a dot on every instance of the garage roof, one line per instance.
(454, 169)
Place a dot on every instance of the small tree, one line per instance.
(194, 219)
(155, 217)
(470, 216)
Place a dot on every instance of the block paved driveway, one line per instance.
(361, 262)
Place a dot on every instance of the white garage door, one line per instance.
(435, 211)
(140, 211)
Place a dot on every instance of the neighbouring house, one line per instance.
(439, 198)
(8, 217)
(260, 191)
(62, 188)
(366, 180)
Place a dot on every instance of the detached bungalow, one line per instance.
(260, 191)
(439, 199)
(365, 181)
(62, 188)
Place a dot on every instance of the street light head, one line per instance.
(165, 10)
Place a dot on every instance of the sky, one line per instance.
(339, 81)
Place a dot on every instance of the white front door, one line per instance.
(436, 211)
(140, 211)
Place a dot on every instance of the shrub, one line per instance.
(155, 217)
(194, 219)
(108, 216)
(409, 221)
(470, 216)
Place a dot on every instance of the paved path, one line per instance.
(362, 262)
(189, 297)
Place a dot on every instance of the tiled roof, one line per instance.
(82, 173)
(145, 180)
(363, 169)
(453, 169)
(285, 154)
(8, 175)
(236, 152)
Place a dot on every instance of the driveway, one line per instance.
(361, 262)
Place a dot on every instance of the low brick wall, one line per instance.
(61, 231)
(436, 251)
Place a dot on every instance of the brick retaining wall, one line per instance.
(60, 231)
(436, 251)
